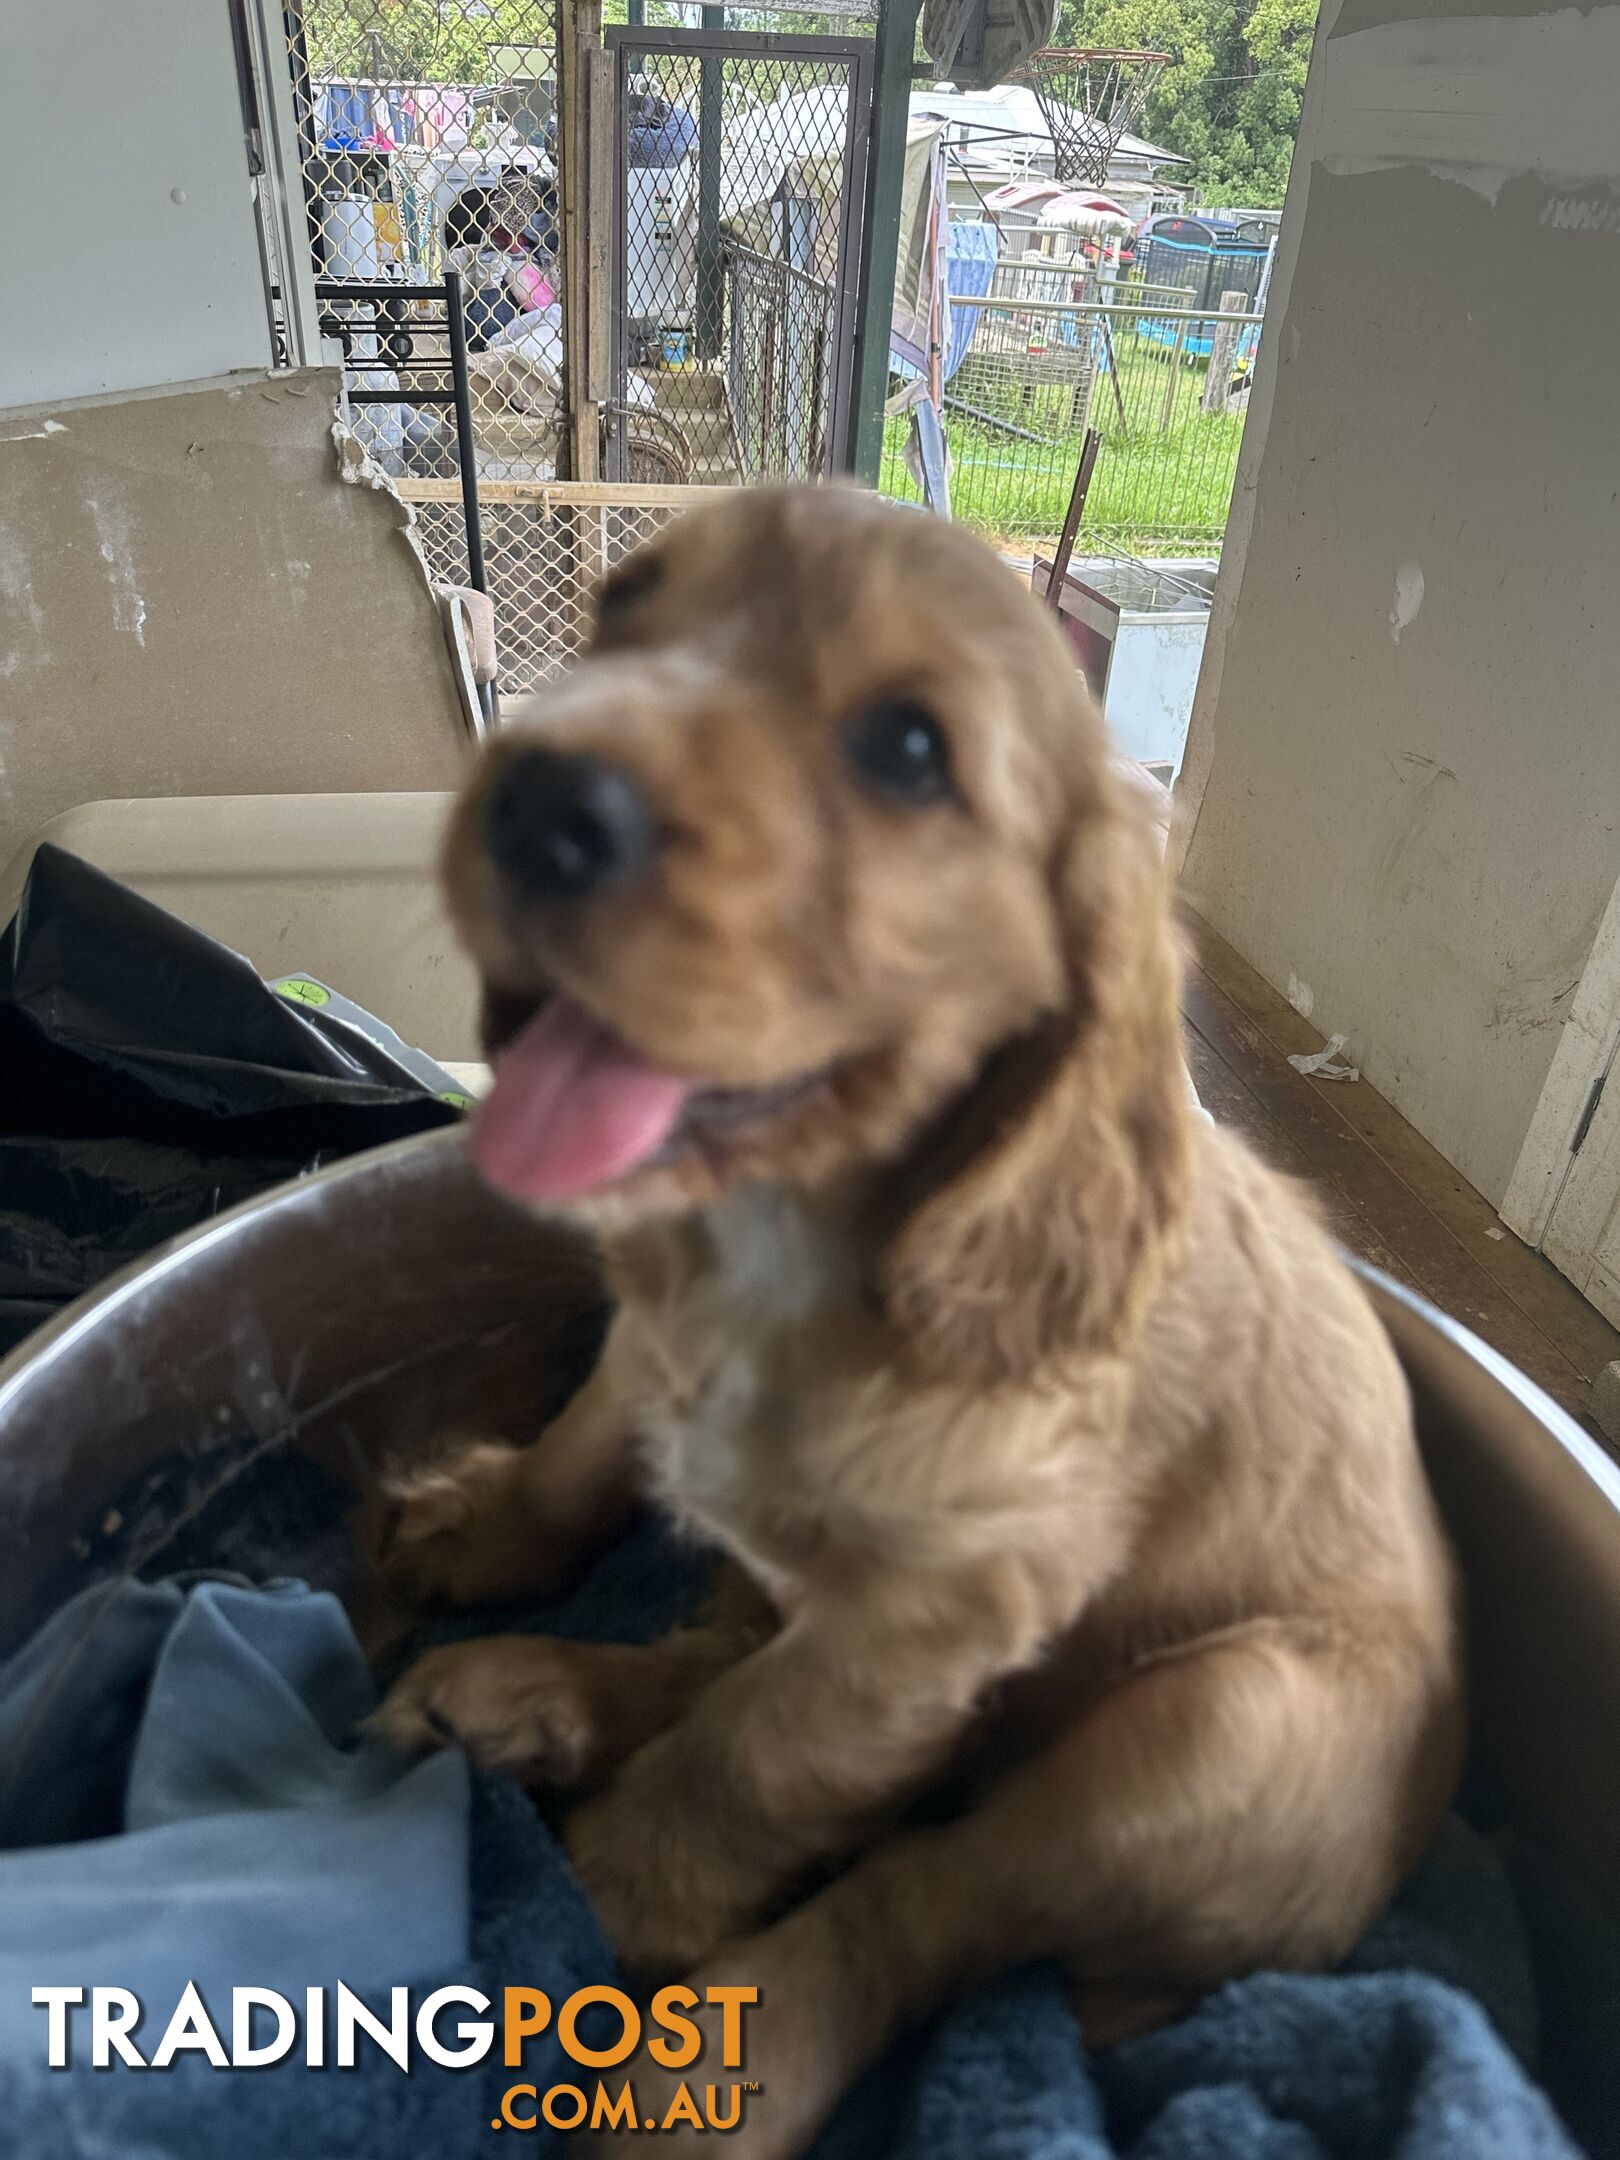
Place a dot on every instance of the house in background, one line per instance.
(997, 136)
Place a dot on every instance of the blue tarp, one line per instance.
(347, 119)
(971, 251)
(932, 455)
(659, 134)
(966, 265)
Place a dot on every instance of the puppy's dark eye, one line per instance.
(899, 750)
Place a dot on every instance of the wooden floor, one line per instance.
(1388, 1195)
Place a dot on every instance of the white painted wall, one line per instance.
(128, 250)
(1402, 786)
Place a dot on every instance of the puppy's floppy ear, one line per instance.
(1034, 1218)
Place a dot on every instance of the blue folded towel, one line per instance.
(181, 1798)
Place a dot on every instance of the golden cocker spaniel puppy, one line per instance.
(1064, 1476)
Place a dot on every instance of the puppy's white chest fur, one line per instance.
(776, 1264)
(736, 1342)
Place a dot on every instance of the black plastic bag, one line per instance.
(149, 1079)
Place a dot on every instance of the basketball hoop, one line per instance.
(1088, 98)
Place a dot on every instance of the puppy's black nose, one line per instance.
(559, 827)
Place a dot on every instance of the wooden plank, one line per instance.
(1580, 1332)
(579, 33)
(597, 214)
(567, 494)
(1342, 1160)
(1230, 1103)
(1223, 351)
(1357, 1236)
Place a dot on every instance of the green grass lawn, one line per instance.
(1157, 490)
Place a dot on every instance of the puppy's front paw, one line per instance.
(656, 1864)
(512, 1701)
(459, 1533)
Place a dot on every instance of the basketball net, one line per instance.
(1088, 98)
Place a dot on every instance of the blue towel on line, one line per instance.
(178, 1790)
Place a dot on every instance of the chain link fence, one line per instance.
(428, 132)
(737, 167)
(1055, 351)
(779, 332)
(429, 140)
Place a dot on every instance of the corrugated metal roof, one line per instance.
(1013, 109)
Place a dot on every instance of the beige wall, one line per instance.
(1402, 795)
(192, 603)
(129, 254)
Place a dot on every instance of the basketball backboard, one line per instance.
(979, 43)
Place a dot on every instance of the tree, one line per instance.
(1230, 101)
(421, 40)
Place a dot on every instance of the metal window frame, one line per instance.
(885, 180)
(624, 40)
(282, 198)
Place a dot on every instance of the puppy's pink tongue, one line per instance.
(571, 1108)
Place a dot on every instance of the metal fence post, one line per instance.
(467, 459)
(709, 325)
(1174, 377)
(880, 230)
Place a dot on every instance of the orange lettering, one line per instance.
(598, 2058)
(735, 2117)
(517, 2122)
(523, 2011)
(617, 2114)
(556, 2094)
(682, 2109)
(667, 2006)
(732, 2001)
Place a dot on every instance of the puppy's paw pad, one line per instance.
(510, 1703)
(415, 1728)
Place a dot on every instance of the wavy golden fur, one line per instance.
(1062, 1472)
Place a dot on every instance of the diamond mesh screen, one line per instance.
(428, 131)
(736, 175)
(429, 136)
(545, 553)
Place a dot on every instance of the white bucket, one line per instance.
(349, 229)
